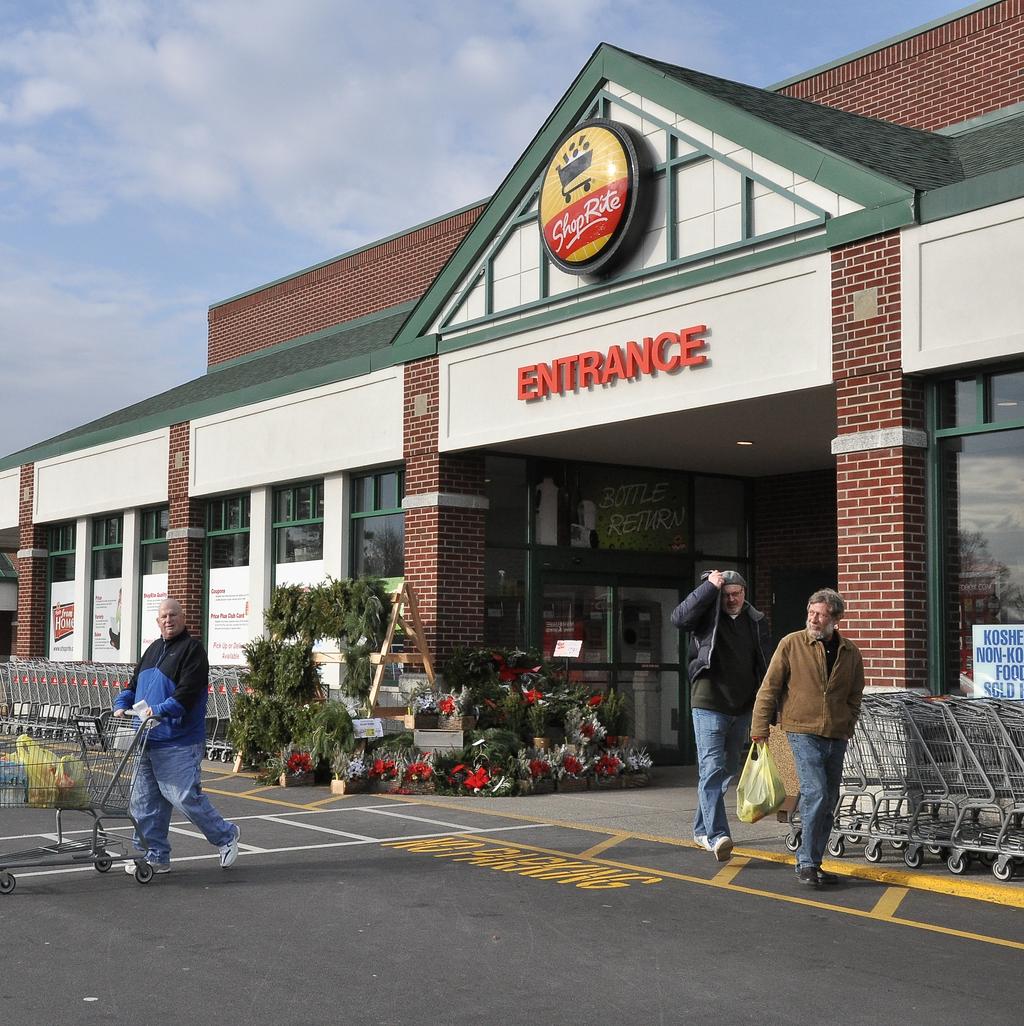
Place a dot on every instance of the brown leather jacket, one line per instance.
(796, 687)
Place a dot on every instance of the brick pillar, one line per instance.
(880, 464)
(185, 534)
(445, 514)
(32, 553)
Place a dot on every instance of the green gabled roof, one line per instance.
(921, 160)
(334, 354)
(991, 147)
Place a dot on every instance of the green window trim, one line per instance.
(292, 497)
(104, 524)
(150, 530)
(232, 510)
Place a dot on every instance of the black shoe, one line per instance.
(827, 878)
(808, 876)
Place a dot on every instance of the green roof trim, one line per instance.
(345, 256)
(973, 194)
(892, 41)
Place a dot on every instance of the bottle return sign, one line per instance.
(998, 661)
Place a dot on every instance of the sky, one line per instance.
(159, 156)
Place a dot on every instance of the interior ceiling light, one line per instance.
(744, 442)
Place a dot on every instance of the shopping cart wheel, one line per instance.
(836, 846)
(793, 839)
(7, 883)
(914, 856)
(1003, 868)
(958, 863)
(988, 859)
(898, 845)
(143, 872)
(103, 863)
(873, 850)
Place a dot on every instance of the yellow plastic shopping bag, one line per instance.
(41, 768)
(760, 790)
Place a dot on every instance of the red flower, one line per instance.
(532, 695)
(299, 762)
(417, 771)
(608, 765)
(595, 700)
(572, 765)
(587, 729)
(384, 769)
(539, 768)
(477, 779)
(447, 706)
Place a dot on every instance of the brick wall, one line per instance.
(185, 555)
(32, 612)
(793, 528)
(444, 546)
(880, 491)
(956, 71)
(352, 286)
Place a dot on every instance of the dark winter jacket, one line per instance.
(173, 679)
(699, 613)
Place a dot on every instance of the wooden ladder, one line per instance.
(404, 614)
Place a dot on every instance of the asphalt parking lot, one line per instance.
(403, 910)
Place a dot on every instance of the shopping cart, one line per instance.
(89, 768)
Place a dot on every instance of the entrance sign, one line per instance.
(667, 352)
(595, 196)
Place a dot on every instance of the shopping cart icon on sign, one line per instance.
(576, 160)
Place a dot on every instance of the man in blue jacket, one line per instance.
(729, 645)
(173, 679)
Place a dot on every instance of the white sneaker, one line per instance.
(702, 840)
(157, 867)
(229, 851)
(723, 849)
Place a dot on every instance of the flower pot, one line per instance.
(357, 786)
(421, 721)
(384, 786)
(608, 783)
(456, 722)
(570, 784)
(416, 787)
(542, 744)
(636, 779)
(545, 785)
(296, 780)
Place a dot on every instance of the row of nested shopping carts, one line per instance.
(45, 697)
(942, 777)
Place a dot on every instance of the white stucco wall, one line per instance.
(769, 332)
(337, 427)
(962, 298)
(10, 482)
(103, 479)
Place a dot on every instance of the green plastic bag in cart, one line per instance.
(760, 790)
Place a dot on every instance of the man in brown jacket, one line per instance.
(814, 683)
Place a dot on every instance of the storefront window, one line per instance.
(981, 479)
(505, 598)
(63, 621)
(720, 517)
(153, 562)
(106, 589)
(299, 523)
(378, 525)
(227, 596)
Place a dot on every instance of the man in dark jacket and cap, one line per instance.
(729, 645)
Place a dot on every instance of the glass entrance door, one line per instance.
(628, 643)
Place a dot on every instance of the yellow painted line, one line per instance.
(889, 902)
(789, 899)
(604, 845)
(729, 872)
(255, 796)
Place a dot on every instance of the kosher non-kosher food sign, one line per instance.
(594, 196)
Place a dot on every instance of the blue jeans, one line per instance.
(819, 768)
(720, 740)
(169, 778)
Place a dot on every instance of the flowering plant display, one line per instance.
(637, 760)
(453, 704)
(533, 766)
(298, 763)
(384, 766)
(424, 702)
(350, 767)
(608, 765)
(419, 771)
(569, 764)
(583, 728)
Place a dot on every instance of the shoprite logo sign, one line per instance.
(594, 196)
(665, 353)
